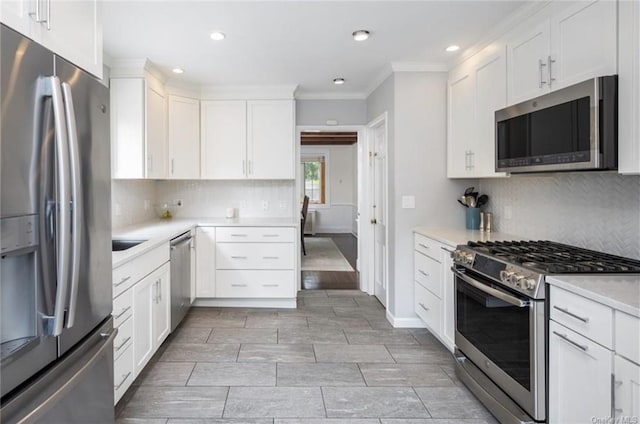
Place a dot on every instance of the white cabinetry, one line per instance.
(247, 139)
(138, 128)
(205, 262)
(626, 386)
(629, 83)
(184, 138)
(434, 291)
(476, 89)
(71, 29)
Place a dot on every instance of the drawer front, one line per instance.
(122, 308)
(256, 234)
(428, 273)
(255, 284)
(133, 271)
(427, 307)
(428, 247)
(124, 339)
(255, 256)
(584, 316)
(123, 373)
(627, 332)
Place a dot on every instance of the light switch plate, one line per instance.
(408, 202)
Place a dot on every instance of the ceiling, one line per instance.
(307, 43)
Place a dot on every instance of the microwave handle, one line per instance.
(491, 291)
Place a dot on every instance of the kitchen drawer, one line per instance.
(627, 336)
(427, 307)
(127, 274)
(255, 256)
(256, 234)
(124, 339)
(122, 308)
(584, 316)
(428, 247)
(428, 273)
(123, 373)
(255, 284)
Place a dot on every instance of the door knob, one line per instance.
(373, 221)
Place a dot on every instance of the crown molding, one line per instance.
(419, 67)
(380, 78)
(256, 92)
(311, 95)
(135, 68)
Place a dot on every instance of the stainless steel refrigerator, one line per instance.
(56, 331)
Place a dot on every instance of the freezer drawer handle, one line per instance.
(45, 406)
(124, 280)
(124, 311)
(123, 344)
(124, 378)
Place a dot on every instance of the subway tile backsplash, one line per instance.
(128, 202)
(599, 211)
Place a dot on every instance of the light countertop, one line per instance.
(456, 236)
(161, 231)
(620, 292)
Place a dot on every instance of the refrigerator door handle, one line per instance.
(76, 196)
(63, 225)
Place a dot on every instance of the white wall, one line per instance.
(598, 211)
(337, 215)
(317, 112)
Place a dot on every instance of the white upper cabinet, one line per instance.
(184, 138)
(528, 53)
(461, 120)
(270, 139)
(223, 139)
(583, 41)
(71, 29)
(629, 88)
(247, 139)
(138, 128)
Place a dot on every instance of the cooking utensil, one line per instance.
(482, 200)
(462, 203)
(469, 190)
(463, 200)
(471, 201)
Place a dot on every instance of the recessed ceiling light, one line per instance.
(360, 35)
(178, 71)
(453, 48)
(338, 81)
(217, 36)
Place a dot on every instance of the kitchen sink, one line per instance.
(120, 245)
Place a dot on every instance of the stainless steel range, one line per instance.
(501, 318)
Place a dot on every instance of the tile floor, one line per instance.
(333, 360)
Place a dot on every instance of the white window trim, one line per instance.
(306, 150)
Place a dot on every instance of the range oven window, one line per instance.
(498, 329)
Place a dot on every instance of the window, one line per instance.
(314, 176)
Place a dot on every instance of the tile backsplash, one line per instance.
(599, 211)
(128, 198)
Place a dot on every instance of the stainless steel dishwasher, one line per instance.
(180, 278)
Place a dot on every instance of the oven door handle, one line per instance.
(491, 291)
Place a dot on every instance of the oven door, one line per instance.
(503, 334)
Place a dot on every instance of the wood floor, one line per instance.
(335, 280)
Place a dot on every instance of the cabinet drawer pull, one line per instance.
(423, 245)
(124, 280)
(271, 285)
(423, 307)
(123, 380)
(568, 340)
(423, 273)
(238, 257)
(270, 257)
(123, 344)
(238, 235)
(238, 285)
(124, 311)
(571, 314)
(271, 235)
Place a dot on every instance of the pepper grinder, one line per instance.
(483, 219)
(487, 222)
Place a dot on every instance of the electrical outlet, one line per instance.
(283, 205)
(118, 210)
(179, 203)
(507, 212)
(147, 204)
(408, 202)
(265, 205)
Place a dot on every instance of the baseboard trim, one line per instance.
(246, 303)
(405, 322)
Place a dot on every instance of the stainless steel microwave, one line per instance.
(572, 129)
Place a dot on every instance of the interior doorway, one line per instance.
(328, 175)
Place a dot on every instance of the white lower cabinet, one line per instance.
(206, 262)
(626, 386)
(123, 373)
(434, 293)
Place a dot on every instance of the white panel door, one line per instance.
(162, 305)
(156, 146)
(206, 262)
(490, 95)
(528, 53)
(127, 127)
(461, 120)
(579, 377)
(184, 138)
(223, 143)
(270, 139)
(143, 317)
(379, 213)
(626, 386)
(584, 44)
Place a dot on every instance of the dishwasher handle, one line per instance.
(180, 241)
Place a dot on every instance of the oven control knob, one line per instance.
(519, 280)
(529, 284)
(514, 278)
(505, 275)
(456, 255)
(468, 259)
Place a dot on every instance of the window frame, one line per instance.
(325, 187)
